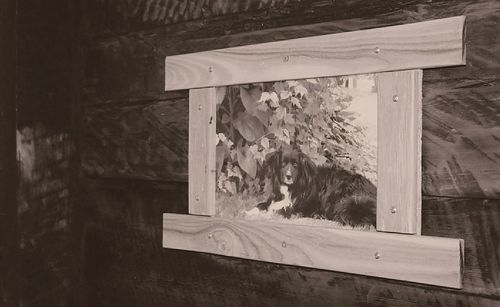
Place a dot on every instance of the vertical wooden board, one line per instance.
(399, 151)
(202, 108)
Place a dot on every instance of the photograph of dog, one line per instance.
(301, 151)
(301, 188)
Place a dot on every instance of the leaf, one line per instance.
(296, 102)
(274, 98)
(300, 89)
(249, 126)
(220, 93)
(285, 95)
(265, 96)
(312, 108)
(234, 172)
(280, 113)
(289, 120)
(247, 161)
(265, 143)
(220, 154)
(279, 86)
(250, 98)
(225, 119)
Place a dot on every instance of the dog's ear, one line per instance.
(307, 169)
(273, 164)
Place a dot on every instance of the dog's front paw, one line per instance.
(263, 206)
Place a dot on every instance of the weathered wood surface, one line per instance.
(460, 146)
(399, 146)
(202, 118)
(8, 171)
(137, 141)
(125, 262)
(47, 217)
(421, 259)
(123, 243)
(436, 43)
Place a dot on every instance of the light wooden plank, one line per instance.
(428, 260)
(202, 121)
(420, 45)
(399, 151)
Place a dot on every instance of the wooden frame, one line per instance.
(396, 49)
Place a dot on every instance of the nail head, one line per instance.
(395, 98)
(283, 244)
(377, 50)
(394, 210)
(377, 255)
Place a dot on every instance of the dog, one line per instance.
(301, 188)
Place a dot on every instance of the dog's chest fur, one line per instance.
(284, 203)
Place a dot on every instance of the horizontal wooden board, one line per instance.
(124, 221)
(428, 260)
(427, 44)
(145, 141)
(460, 154)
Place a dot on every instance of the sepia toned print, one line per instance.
(300, 151)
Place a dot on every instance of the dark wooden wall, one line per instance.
(47, 262)
(8, 182)
(134, 153)
(102, 154)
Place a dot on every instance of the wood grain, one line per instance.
(428, 260)
(399, 151)
(202, 119)
(458, 149)
(421, 45)
(137, 141)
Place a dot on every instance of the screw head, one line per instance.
(377, 255)
(395, 98)
(394, 210)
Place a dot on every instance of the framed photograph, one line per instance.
(308, 152)
(300, 150)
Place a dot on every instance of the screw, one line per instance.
(377, 255)
(377, 50)
(395, 98)
(394, 210)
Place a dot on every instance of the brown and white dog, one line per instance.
(301, 188)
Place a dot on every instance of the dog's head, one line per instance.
(289, 166)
